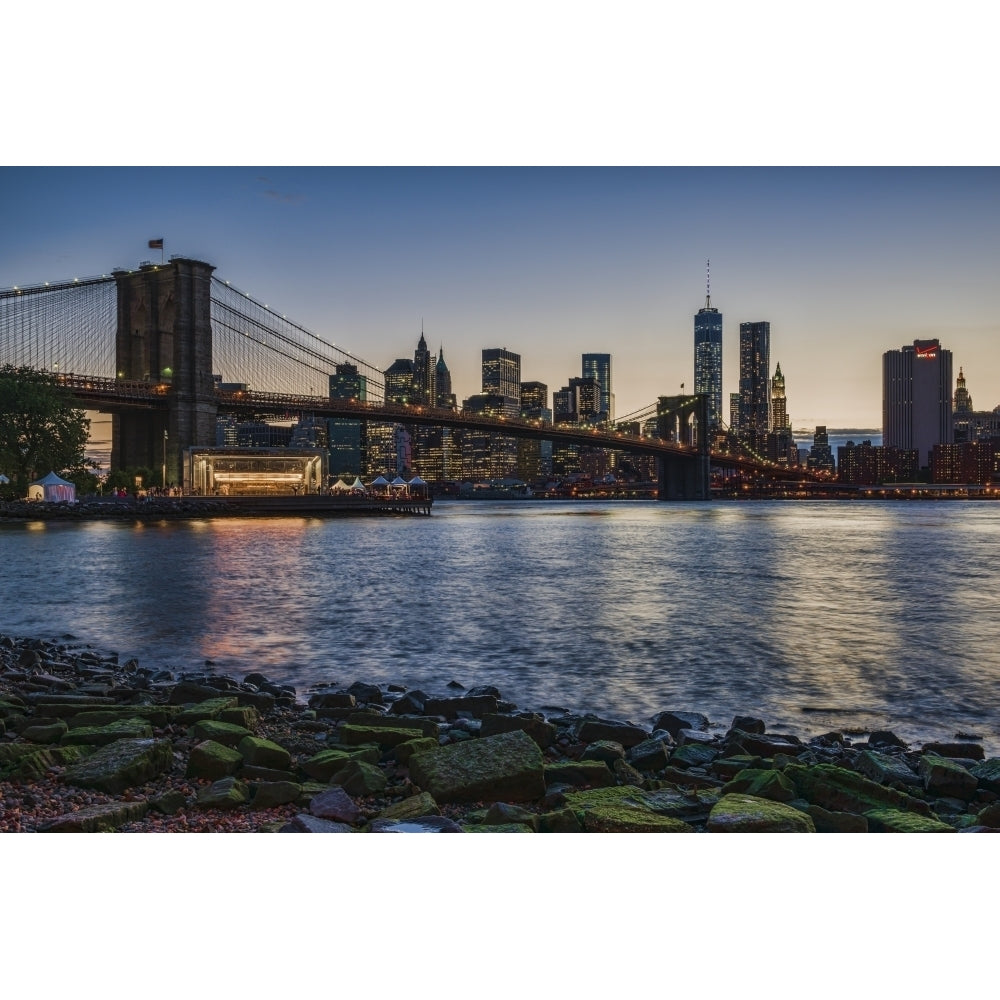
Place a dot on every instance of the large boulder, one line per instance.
(628, 735)
(421, 804)
(625, 817)
(944, 777)
(450, 708)
(750, 814)
(384, 736)
(360, 778)
(99, 736)
(839, 790)
(226, 793)
(259, 752)
(896, 821)
(122, 765)
(508, 766)
(886, 768)
(222, 732)
(765, 783)
(579, 772)
(96, 819)
(334, 803)
(325, 764)
(988, 774)
(542, 732)
(212, 760)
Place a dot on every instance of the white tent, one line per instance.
(418, 486)
(52, 489)
(3, 479)
(340, 487)
(380, 485)
(357, 486)
(399, 483)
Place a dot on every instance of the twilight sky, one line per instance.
(551, 262)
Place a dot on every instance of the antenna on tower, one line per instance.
(708, 284)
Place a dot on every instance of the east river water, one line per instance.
(813, 616)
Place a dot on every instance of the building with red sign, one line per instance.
(916, 398)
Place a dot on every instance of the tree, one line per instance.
(40, 429)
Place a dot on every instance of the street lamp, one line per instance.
(164, 483)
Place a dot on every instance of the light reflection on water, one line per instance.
(814, 616)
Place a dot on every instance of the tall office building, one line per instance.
(348, 437)
(779, 406)
(916, 398)
(781, 446)
(445, 398)
(708, 354)
(424, 372)
(502, 374)
(755, 386)
(598, 367)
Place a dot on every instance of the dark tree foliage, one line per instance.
(41, 431)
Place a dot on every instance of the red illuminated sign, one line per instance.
(927, 350)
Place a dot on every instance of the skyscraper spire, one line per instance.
(708, 284)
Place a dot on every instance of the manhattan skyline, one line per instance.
(551, 263)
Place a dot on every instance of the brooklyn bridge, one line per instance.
(168, 348)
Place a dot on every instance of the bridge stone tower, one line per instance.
(684, 419)
(165, 336)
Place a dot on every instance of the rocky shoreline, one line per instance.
(89, 744)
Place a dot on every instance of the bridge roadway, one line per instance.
(108, 394)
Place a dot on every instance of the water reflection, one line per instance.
(814, 616)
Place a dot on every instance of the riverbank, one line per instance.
(91, 744)
(185, 508)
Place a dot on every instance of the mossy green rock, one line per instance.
(837, 822)
(738, 813)
(324, 765)
(259, 752)
(226, 793)
(421, 804)
(156, 715)
(99, 736)
(359, 778)
(97, 819)
(53, 732)
(896, 821)
(580, 772)
(944, 777)
(624, 817)
(245, 715)
(202, 710)
(987, 774)
(33, 766)
(506, 767)
(222, 732)
(384, 736)
(840, 790)
(560, 821)
(505, 813)
(989, 816)
(276, 793)
(404, 751)
(212, 760)
(689, 804)
(122, 765)
(427, 727)
(764, 783)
